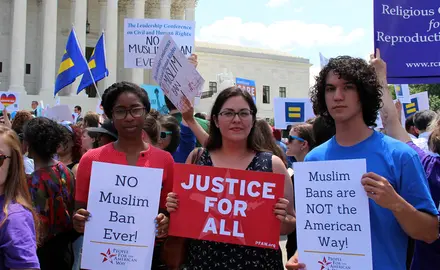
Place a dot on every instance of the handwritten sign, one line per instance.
(227, 205)
(10, 101)
(407, 34)
(175, 75)
(143, 36)
(332, 215)
(123, 201)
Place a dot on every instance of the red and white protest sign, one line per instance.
(226, 205)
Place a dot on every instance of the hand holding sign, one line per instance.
(379, 65)
(294, 264)
(79, 220)
(381, 191)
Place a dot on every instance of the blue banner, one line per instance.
(407, 32)
(157, 98)
(247, 85)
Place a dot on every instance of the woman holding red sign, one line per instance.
(232, 144)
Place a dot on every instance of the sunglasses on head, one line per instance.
(164, 134)
(2, 158)
(292, 138)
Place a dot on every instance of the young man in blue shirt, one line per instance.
(347, 94)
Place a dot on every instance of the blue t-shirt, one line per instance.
(401, 166)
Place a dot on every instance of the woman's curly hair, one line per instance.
(43, 136)
(357, 71)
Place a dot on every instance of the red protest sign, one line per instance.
(226, 205)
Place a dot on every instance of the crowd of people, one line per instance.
(45, 169)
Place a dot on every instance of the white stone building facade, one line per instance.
(33, 34)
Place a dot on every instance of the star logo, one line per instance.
(108, 256)
(324, 264)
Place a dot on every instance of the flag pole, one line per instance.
(90, 72)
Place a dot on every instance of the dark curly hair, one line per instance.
(43, 136)
(357, 71)
(112, 93)
(75, 137)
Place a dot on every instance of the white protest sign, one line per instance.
(402, 93)
(143, 36)
(332, 215)
(10, 100)
(291, 111)
(123, 201)
(175, 75)
(60, 113)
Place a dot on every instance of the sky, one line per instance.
(303, 28)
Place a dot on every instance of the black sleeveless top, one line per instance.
(215, 256)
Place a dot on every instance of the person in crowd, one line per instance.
(411, 128)
(152, 128)
(77, 109)
(322, 132)
(169, 138)
(300, 141)
(232, 144)
(52, 187)
(107, 132)
(263, 137)
(18, 220)
(21, 118)
(425, 255)
(91, 119)
(347, 94)
(200, 115)
(89, 140)
(34, 106)
(70, 151)
(177, 139)
(276, 133)
(126, 104)
(422, 120)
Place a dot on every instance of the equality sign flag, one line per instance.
(407, 32)
(227, 205)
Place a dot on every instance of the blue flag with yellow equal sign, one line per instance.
(72, 64)
(97, 65)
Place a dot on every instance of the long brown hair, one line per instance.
(16, 187)
(215, 137)
(264, 137)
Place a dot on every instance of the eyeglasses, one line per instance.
(243, 114)
(292, 138)
(2, 159)
(164, 134)
(120, 114)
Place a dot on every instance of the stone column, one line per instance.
(190, 10)
(111, 31)
(165, 9)
(48, 68)
(136, 75)
(102, 14)
(79, 19)
(18, 46)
